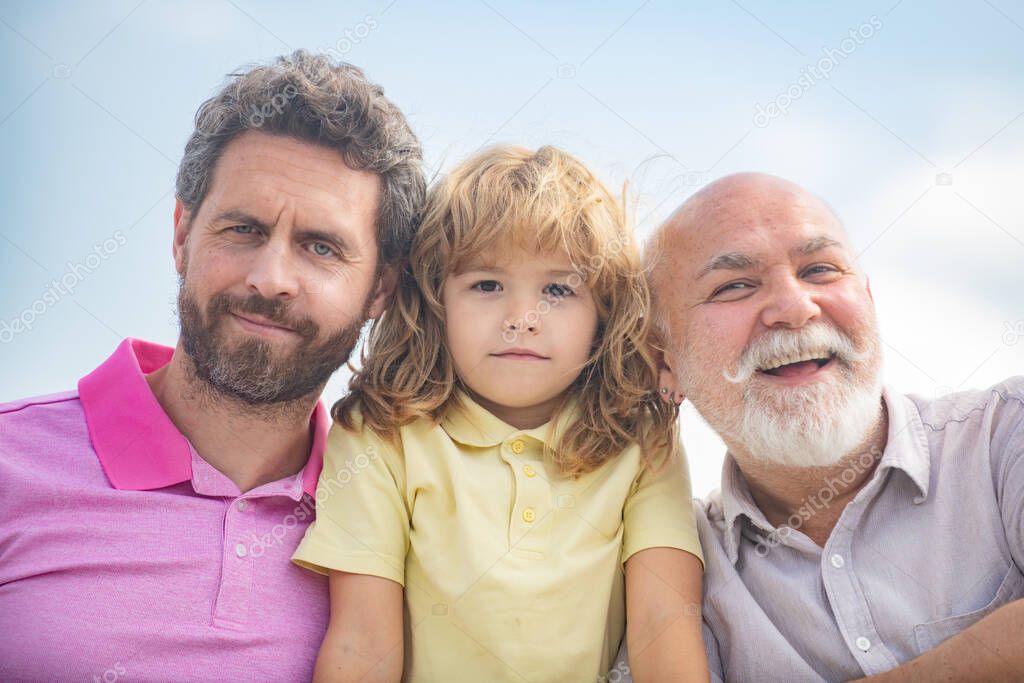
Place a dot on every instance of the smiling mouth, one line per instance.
(797, 367)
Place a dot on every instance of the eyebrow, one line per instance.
(815, 244)
(732, 260)
(241, 217)
(735, 260)
(484, 268)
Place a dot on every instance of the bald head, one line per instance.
(741, 200)
(752, 205)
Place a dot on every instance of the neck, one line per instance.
(815, 495)
(251, 445)
(528, 417)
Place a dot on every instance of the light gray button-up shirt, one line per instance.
(931, 544)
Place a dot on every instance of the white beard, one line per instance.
(804, 426)
(813, 426)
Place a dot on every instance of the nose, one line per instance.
(790, 304)
(522, 319)
(273, 273)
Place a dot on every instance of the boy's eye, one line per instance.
(557, 290)
(487, 286)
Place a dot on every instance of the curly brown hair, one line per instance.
(312, 98)
(543, 200)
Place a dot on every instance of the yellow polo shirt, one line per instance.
(512, 571)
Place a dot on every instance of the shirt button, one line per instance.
(863, 644)
(518, 446)
(240, 550)
(529, 515)
(529, 471)
(837, 561)
(242, 504)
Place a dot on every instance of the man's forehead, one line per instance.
(265, 175)
(761, 228)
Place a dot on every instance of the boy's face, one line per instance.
(520, 328)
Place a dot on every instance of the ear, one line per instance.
(182, 223)
(668, 387)
(383, 289)
(867, 284)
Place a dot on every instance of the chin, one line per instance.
(813, 426)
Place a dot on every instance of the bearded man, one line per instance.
(858, 532)
(147, 519)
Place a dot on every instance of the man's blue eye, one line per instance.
(558, 291)
(243, 229)
(321, 249)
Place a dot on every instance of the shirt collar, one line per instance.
(906, 450)
(137, 444)
(471, 424)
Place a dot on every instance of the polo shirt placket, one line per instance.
(531, 495)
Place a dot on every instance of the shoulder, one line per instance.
(34, 404)
(45, 444)
(40, 421)
(1000, 402)
(361, 439)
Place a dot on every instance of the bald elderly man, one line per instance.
(858, 531)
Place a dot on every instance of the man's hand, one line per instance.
(992, 650)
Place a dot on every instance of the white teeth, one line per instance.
(797, 358)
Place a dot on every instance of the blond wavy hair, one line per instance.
(544, 201)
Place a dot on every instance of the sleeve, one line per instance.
(1008, 458)
(362, 520)
(659, 511)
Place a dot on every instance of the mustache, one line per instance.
(273, 310)
(821, 339)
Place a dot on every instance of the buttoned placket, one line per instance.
(531, 494)
(845, 594)
(241, 545)
(241, 550)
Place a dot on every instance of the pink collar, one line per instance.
(137, 444)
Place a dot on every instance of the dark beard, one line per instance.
(251, 371)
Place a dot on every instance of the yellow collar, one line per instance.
(471, 424)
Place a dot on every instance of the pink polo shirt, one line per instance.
(126, 556)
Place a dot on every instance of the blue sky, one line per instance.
(916, 137)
